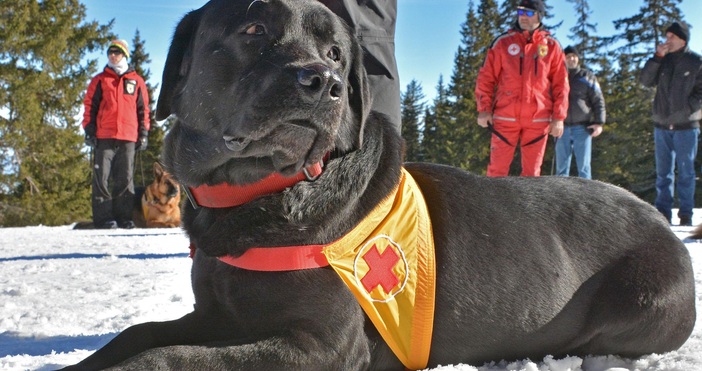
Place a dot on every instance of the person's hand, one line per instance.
(662, 49)
(142, 143)
(90, 141)
(484, 118)
(556, 128)
(595, 129)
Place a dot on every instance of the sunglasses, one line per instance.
(528, 13)
(114, 51)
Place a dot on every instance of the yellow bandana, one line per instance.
(387, 261)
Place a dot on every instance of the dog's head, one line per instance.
(259, 87)
(164, 183)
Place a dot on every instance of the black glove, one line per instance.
(142, 143)
(90, 140)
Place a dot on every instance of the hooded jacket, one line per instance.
(116, 107)
(678, 80)
(586, 104)
(524, 77)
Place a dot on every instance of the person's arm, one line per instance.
(596, 100)
(649, 73)
(91, 105)
(485, 86)
(142, 108)
(695, 98)
(560, 88)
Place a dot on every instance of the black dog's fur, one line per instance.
(527, 267)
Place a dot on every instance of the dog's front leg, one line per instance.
(302, 352)
(189, 329)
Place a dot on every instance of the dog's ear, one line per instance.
(177, 63)
(359, 92)
(158, 170)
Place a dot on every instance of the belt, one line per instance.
(682, 126)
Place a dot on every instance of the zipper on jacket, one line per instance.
(521, 62)
(536, 64)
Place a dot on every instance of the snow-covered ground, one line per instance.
(66, 293)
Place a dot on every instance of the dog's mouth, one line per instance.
(290, 147)
(236, 144)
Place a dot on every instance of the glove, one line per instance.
(90, 140)
(142, 143)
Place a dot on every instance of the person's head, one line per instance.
(117, 50)
(677, 36)
(572, 57)
(529, 14)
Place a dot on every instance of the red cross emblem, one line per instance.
(380, 269)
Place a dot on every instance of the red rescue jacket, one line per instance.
(524, 78)
(116, 107)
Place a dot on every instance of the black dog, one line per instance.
(525, 267)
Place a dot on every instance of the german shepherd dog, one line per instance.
(159, 206)
(525, 267)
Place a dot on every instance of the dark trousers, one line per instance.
(114, 163)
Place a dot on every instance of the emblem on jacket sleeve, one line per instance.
(130, 86)
(543, 50)
(513, 49)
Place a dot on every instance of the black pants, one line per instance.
(114, 163)
(373, 21)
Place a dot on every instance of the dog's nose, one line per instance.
(320, 82)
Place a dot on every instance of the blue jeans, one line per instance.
(675, 148)
(575, 140)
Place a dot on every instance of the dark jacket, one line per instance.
(678, 78)
(116, 107)
(586, 104)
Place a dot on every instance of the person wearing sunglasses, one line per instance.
(116, 124)
(522, 92)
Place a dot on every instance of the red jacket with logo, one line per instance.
(116, 107)
(524, 77)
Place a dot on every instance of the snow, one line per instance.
(65, 293)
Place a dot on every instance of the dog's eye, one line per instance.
(334, 54)
(256, 29)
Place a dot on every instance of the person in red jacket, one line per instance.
(522, 92)
(116, 124)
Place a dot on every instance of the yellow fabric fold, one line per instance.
(388, 263)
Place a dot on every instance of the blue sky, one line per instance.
(427, 34)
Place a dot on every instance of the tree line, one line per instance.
(45, 168)
(445, 130)
(45, 66)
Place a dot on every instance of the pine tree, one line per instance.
(45, 178)
(472, 143)
(642, 32)
(145, 159)
(584, 32)
(436, 139)
(412, 109)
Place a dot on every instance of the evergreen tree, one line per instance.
(642, 32)
(145, 159)
(584, 32)
(45, 178)
(472, 143)
(412, 109)
(436, 139)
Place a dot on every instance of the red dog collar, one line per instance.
(276, 259)
(229, 195)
